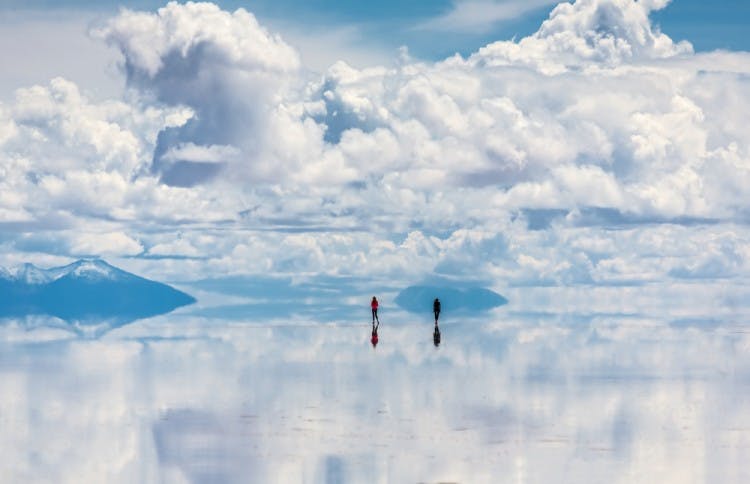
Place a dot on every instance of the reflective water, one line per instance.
(511, 397)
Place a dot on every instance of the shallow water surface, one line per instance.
(513, 397)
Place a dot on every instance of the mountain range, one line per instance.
(86, 290)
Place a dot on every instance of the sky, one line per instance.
(325, 30)
(514, 143)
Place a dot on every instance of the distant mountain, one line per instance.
(89, 290)
(419, 299)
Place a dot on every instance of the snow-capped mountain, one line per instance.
(95, 269)
(85, 268)
(86, 290)
(31, 274)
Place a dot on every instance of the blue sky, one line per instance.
(362, 33)
(389, 23)
(708, 25)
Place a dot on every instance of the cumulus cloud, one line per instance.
(113, 243)
(225, 66)
(200, 154)
(63, 153)
(65, 156)
(588, 31)
(503, 164)
(528, 123)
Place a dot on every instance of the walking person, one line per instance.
(374, 306)
(436, 309)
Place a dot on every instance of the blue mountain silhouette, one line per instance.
(418, 299)
(86, 290)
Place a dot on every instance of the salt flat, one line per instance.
(512, 396)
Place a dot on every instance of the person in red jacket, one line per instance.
(374, 338)
(374, 306)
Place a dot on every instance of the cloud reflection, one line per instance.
(181, 398)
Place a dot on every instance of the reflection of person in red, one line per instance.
(374, 338)
(374, 306)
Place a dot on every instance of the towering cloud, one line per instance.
(225, 66)
(608, 32)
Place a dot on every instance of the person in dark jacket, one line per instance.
(436, 309)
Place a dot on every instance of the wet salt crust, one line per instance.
(525, 394)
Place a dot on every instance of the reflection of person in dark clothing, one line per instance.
(374, 306)
(436, 336)
(374, 338)
(436, 309)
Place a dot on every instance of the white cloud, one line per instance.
(204, 154)
(225, 66)
(106, 244)
(65, 157)
(236, 40)
(597, 119)
(178, 248)
(60, 118)
(605, 32)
